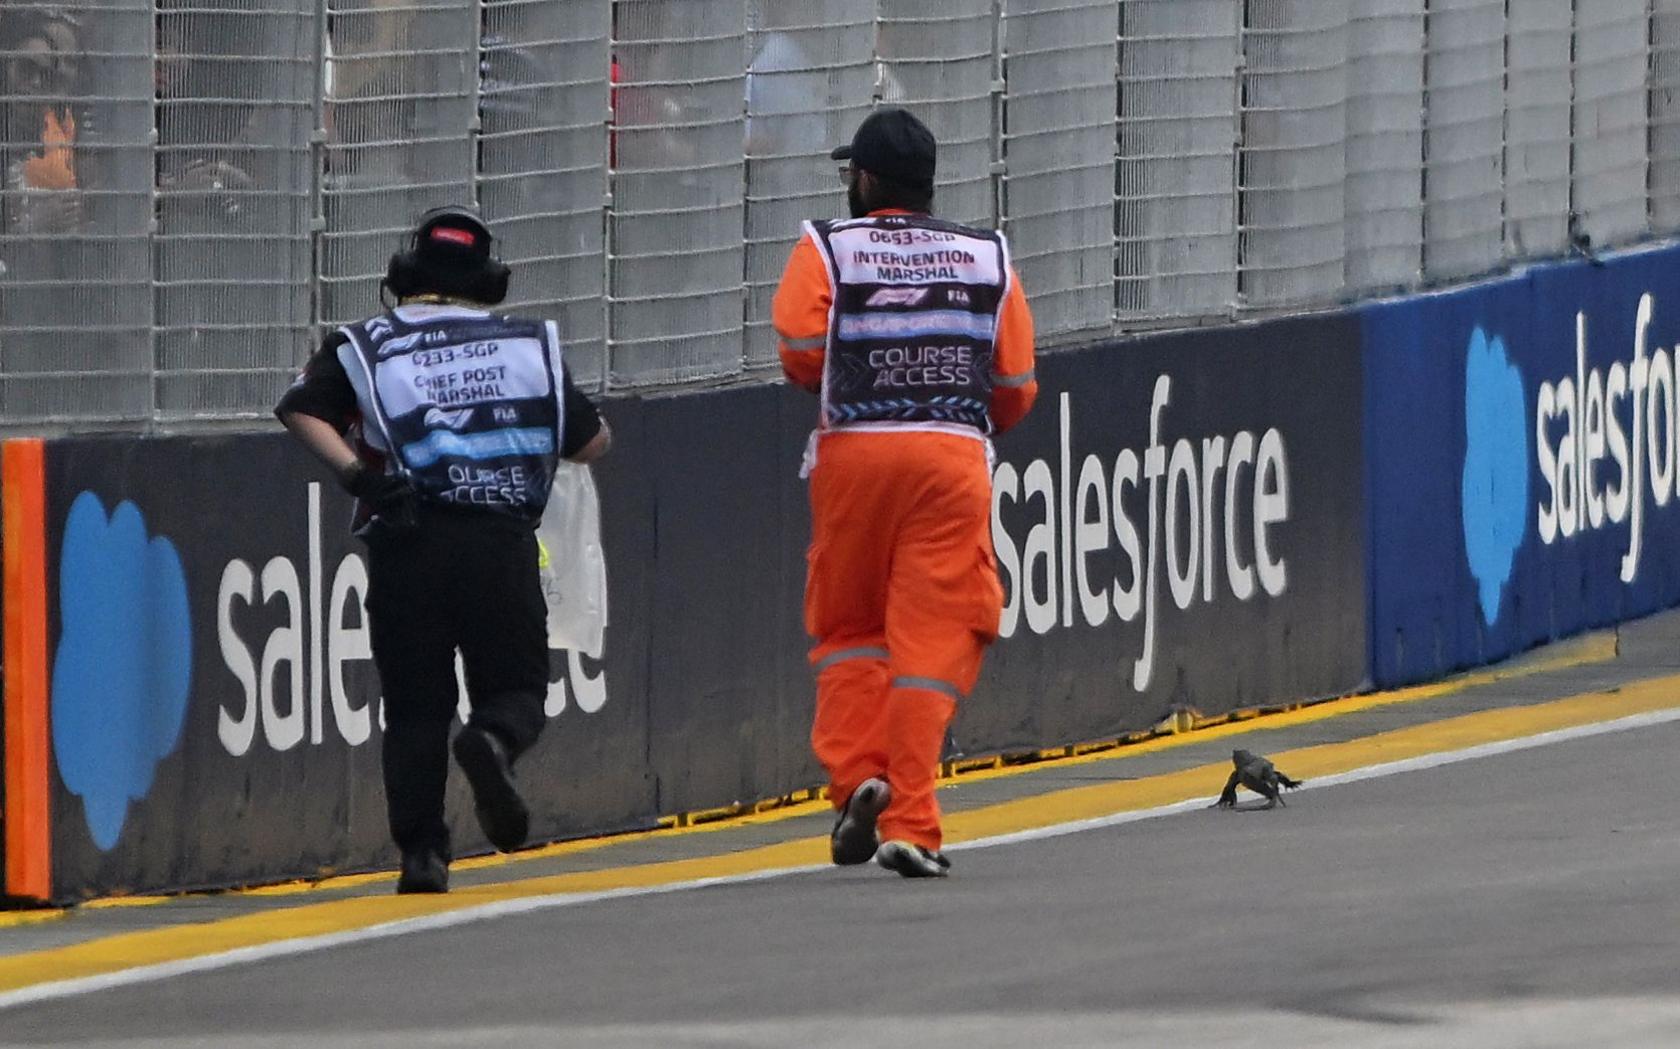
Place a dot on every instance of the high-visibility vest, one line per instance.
(469, 405)
(913, 328)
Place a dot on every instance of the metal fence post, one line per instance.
(318, 171)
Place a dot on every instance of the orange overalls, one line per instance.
(902, 594)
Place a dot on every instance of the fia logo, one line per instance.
(505, 414)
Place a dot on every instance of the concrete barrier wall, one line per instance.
(1182, 521)
(1521, 442)
(1178, 523)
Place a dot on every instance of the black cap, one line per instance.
(893, 144)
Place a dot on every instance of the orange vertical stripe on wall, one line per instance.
(23, 535)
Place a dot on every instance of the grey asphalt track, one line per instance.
(1524, 899)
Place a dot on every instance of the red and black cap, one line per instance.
(451, 251)
(893, 144)
(455, 232)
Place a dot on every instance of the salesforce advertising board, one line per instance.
(1523, 461)
(1179, 522)
(215, 714)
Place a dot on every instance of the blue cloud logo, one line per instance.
(123, 668)
(1495, 490)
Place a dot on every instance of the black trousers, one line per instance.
(458, 581)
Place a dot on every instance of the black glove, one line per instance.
(390, 495)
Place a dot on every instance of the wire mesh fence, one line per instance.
(544, 97)
(1175, 210)
(235, 104)
(1384, 190)
(939, 60)
(1463, 117)
(810, 79)
(1293, 176)
(399, 134)
(677, 253)
(1058, 151)
(1538, 82)
(76, 295)
(1665, 114)
(192, 190)
(1612, 60)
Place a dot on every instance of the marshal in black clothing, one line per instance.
(447, 422)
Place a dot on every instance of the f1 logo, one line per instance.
(897, 297)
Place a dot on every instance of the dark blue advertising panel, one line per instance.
(215, 714)
(731, 693)
(1178, 523)
(1522, 461)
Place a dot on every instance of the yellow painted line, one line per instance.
(1436, 737)
(1595, 648)
(176, 943)
(541, 852)
(118, 902)
(172, 943)
(46, 914)
(9, 919)
(1592, 648)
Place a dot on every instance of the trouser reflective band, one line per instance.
(863, 652)
(931, 684)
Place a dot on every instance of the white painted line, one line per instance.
(502, 908)
(384, 930)
(1387, 768)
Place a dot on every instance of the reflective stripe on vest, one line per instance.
(469, 403)
(914, 324)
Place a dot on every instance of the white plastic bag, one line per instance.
(572, 563)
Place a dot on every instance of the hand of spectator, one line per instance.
(211, 177)
(48, 211)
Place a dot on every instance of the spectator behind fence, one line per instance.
(789, 94)
(200, 124)
(43, 68)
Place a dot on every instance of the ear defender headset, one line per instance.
(450, 252)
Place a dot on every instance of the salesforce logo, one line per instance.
(1495, 483)
(123, 667)
(1608, 443)
(1606, 450)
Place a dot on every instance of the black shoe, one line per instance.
(501, 811)
(853, 839)
(912, 861)
(423, 871)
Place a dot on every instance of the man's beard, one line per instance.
(854, 199)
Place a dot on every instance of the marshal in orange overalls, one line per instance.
(902, 594)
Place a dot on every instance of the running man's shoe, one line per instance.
(912, 861)
(424, 870)
(500, 809)
(853, 839)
